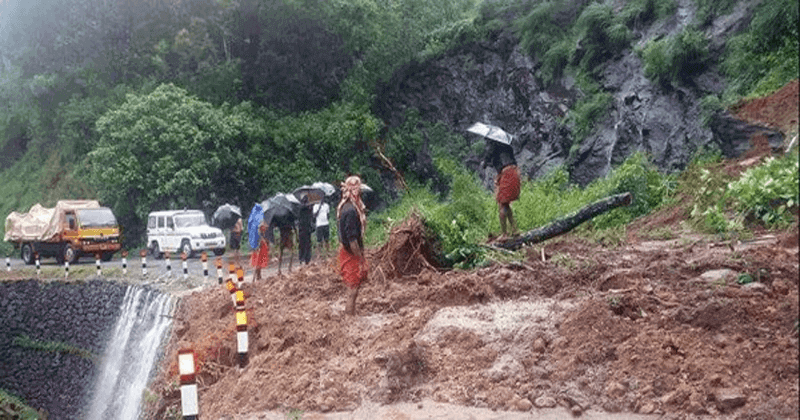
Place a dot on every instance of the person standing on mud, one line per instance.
(259, 258)
(351, 214)
(321, 211)
(507, 183)
(236, 240)
(304, 225)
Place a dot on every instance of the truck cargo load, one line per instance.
(67, 231)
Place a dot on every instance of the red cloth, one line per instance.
(508, 184)
(260, 257)
(352, 272)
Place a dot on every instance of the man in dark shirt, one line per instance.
(351, 214)
(507, 183)
(304, 226)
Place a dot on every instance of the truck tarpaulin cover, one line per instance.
(42, 223)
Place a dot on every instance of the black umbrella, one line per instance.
(313, 194)
(226, 215)
(281, 210)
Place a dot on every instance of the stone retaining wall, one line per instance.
(70, 319)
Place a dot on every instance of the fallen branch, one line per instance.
(562, 226)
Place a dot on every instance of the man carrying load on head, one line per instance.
(351, 214)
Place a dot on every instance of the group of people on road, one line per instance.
(314, 217)
(352, 221)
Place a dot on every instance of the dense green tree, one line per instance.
(167, 149)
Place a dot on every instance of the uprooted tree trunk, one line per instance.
(562, 226)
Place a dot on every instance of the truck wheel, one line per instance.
(186, 248)
(106, 256)
(27, 254)
(219, 251)
(70, 254)
(155, 251)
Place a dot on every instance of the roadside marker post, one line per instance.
(97, 263)
(204, 259)
(185, 267)
(8, 264)
(239, 277)
(124, 262)
(143, 254)
(186, 369)
(232, 272)
(66, 269)
(169, 267)
(242, 341)
(38, 265)
(232, 290)
(219, 270)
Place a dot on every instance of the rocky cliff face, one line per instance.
(492, 81)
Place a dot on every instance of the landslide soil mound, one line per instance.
(657, 324)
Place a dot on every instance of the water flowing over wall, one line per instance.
(132, 349)
(60, 340)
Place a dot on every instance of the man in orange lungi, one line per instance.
(507, 183)
(351, 214)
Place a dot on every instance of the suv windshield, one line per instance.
(96, 218)
(189, 220)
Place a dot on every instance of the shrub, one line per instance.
(601, 37)
(677, 58)
(765, 57)
(637, 13)
(767, 192)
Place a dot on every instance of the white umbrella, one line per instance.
(327, 188)
(491, 132)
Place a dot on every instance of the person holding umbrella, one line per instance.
(507, 184)
(236, 240)
(304, 226)
(259, 258)
(351, 214)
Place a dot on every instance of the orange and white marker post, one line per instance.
(239, 277)
(38, 264)
(143, 254)
(241, 329)
(231, 286)
(124, 254)
(97, 263)
(186, 369)
(219, 269)
(8, 263)
(204, 260)
(185, 266)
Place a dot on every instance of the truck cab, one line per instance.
(182, 231)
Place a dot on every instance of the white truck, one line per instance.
(182, 231)
(71, 229)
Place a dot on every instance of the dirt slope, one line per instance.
(652, 326)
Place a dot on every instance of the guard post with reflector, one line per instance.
(231, 271)
(38, 264)
(204, 260)
(185, 267)
(239, 277)
(124, 254)
(241, 329)
(143, 254)
(219, 270)
(8, 263)
(186, 370)
(231, 286)
(97, 263)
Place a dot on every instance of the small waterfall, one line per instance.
(130, 354)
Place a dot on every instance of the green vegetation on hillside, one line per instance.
(157, 104)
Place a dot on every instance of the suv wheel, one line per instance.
(155, 251)
(186, 248)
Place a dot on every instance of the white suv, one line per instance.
(178, 231)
